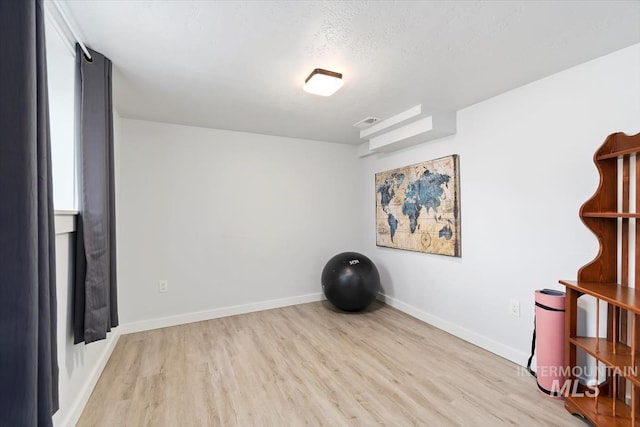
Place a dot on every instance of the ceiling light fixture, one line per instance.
(323, 82)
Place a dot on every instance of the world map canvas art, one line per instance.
(418, 207)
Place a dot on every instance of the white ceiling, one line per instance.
(240, 65)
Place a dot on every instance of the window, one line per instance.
(61, 80)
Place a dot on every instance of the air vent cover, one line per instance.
(366, 122)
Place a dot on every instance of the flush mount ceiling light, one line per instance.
(323, 82)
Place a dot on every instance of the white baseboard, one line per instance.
(481, 341)
(74, 413)
(181, 319)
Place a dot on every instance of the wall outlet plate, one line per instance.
(163, 286)
(514, 307)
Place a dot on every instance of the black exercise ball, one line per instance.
(350, 281)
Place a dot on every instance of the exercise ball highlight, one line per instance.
(350, 281)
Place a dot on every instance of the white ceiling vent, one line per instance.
(365, 123)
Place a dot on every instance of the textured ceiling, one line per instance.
(240, 65)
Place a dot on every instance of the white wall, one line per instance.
(228, 218)
(526, 167)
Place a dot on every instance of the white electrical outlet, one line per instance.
(163, 286)
(514, 307)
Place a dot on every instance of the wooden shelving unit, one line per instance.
(615, 401)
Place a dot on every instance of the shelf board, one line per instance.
(602, 349)
(614, 293)
(618, 153)
(604, 417)
(610, 215)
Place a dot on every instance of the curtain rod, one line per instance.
(71, 30)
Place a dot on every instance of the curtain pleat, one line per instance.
(95, 292)
(28, 348)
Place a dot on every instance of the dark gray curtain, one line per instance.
(95, 305)
(28, 352)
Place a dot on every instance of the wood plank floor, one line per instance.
(310, 365)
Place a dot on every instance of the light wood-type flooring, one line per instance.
(310, 365)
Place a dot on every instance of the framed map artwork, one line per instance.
(418, 207)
